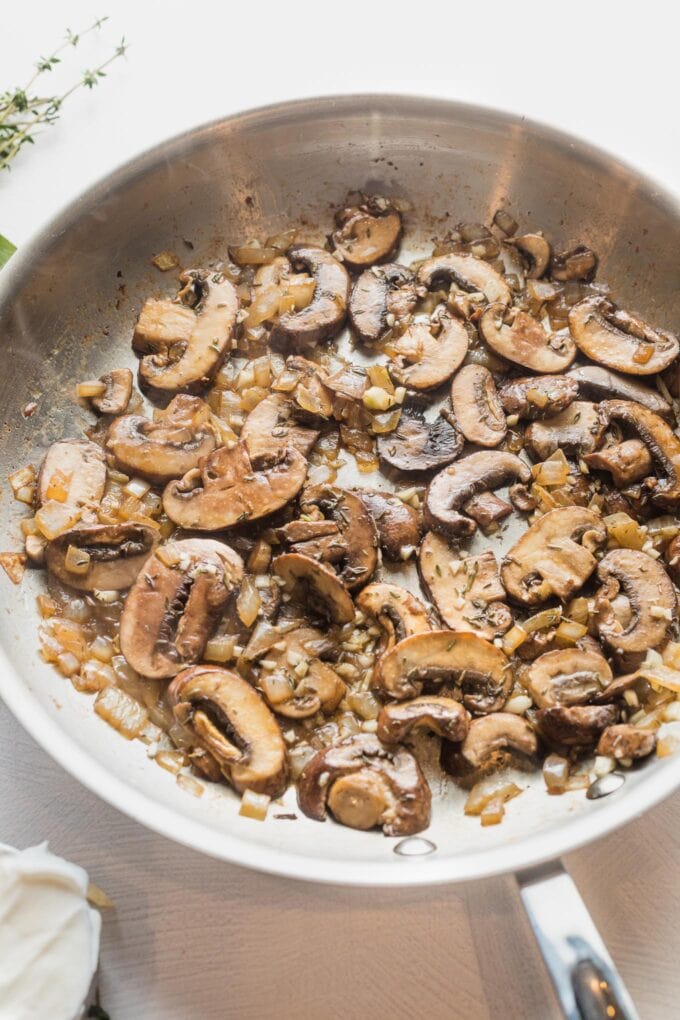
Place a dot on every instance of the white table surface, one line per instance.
(190, 937)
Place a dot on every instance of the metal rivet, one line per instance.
(414, 846)
(605, 785)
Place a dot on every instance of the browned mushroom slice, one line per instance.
(105, 557)
(396, 522)
(399, 613)
(270, 425)
(535, 252)
(185, 363)
(600, 383)
(520, 338)
(578, 430)
(364, 785)
(619, 340)
(455, 485)
(467, 593)
(476, 406)
(355, 527)
(381, 297)
(73, 472)
(116, 396)
(672, 557)
(661, 441)
(325, 314)
(480, 669)
(228, 489)
(567, 676)
(297, 683)
(231, 722)
(487, 510)
(575, 725)
(422, 360)
(626, 462)
(577, 263)
(626, 742)
(538, 396)
(162, 324)
(467, 272)
(443, 716)
(651, 602)
(167, 447)
(489, 742)
(554, 556)
(173, 606)
(418, 445)
(315, 586)
(367, 233)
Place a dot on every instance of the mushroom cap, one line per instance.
(355, 526)
(468, 273)
(417, 445)
(233, 724)
(660, 439)
(324, 315)
(379, 292)
(457, 484)
(476, 406)
(538, 396)
(166, 447)
(646, 585)
(315, 585)
(524, 341)
(422, 361)
(567, 676)
(601, 383)
(399, 798)
(443, 716)
(619, 340)
(270, 425)
(488, 741)
(227, 489)
(116, 397)
(396, 522)
(627, 462)
(578, 263)
(78, 466)
(117, 553)
(553, 557)
(173, 606)
(399, 613)
(447, 656)
(367, 235)
(579, 430)
(535, 250)
(625, 741)
(575, 725)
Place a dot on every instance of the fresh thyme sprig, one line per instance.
(23, 111)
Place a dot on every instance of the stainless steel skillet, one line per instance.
(67, 303)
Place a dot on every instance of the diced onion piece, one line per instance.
(296, 295)
(165, 260)
(91, 388)
(493, 812)
(191, 785)
(14, 565)
(250, 255)
(53, 519)
(493, 788)
(671, 655)
(513, 639)
(171, 761)
(663, 529)
(385, 421)
(544, 620)
(380, 377)
(550, 472)
(77, 561)
(298, 757)
(623, 531)
(137, 487)
(556, 773)
(364, 703)
(94, 675)
(569, 632)
(543, 497)
(26, 494)
(102, 648)
(221, 649)
(643, 354)
(248, 603)
(121, 711)
(254, 805)
(47, 607)
(285, 382)
(264, 307)
(577, 610)
(537, 397)
(661, 675)
(260, 557)
(667, 745)
(68, 663)
(276, 687)
(518, 704)
(603, 765)
(21, 478)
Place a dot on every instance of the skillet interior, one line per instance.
(67, 305)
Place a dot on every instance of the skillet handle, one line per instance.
(587, 983)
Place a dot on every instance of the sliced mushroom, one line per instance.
(173, 606)
(443, 716)
(467, 593)
(423, 361)
(364, 785)
(184, 363)
(487, 510)
(367, 233)
(619, 340)
(575, 725)
(577, 263)
(539, 396)
(455, 485)
(651, 603)
(104, 557)
(520, 338)
(381, 297)
(399, 613)
(315, 586)
(476, 406)
(626, 742)
(600, 383)
(270, 425)
(298, 684)
(478, 667)
(396, 523)
(162, 324)
(567, 676)
(325, 314)
(578, 430)
(535, 251)
(228, 489)
(418, 445)
(489, 742)
(231, 722)
(554, 556)
(626, 462)
(660, 439)
(467, 272)
(116, 396)
(167, 447)
(672, 557)
(73, 472)
(356, 531)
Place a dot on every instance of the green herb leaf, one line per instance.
(7, 249)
